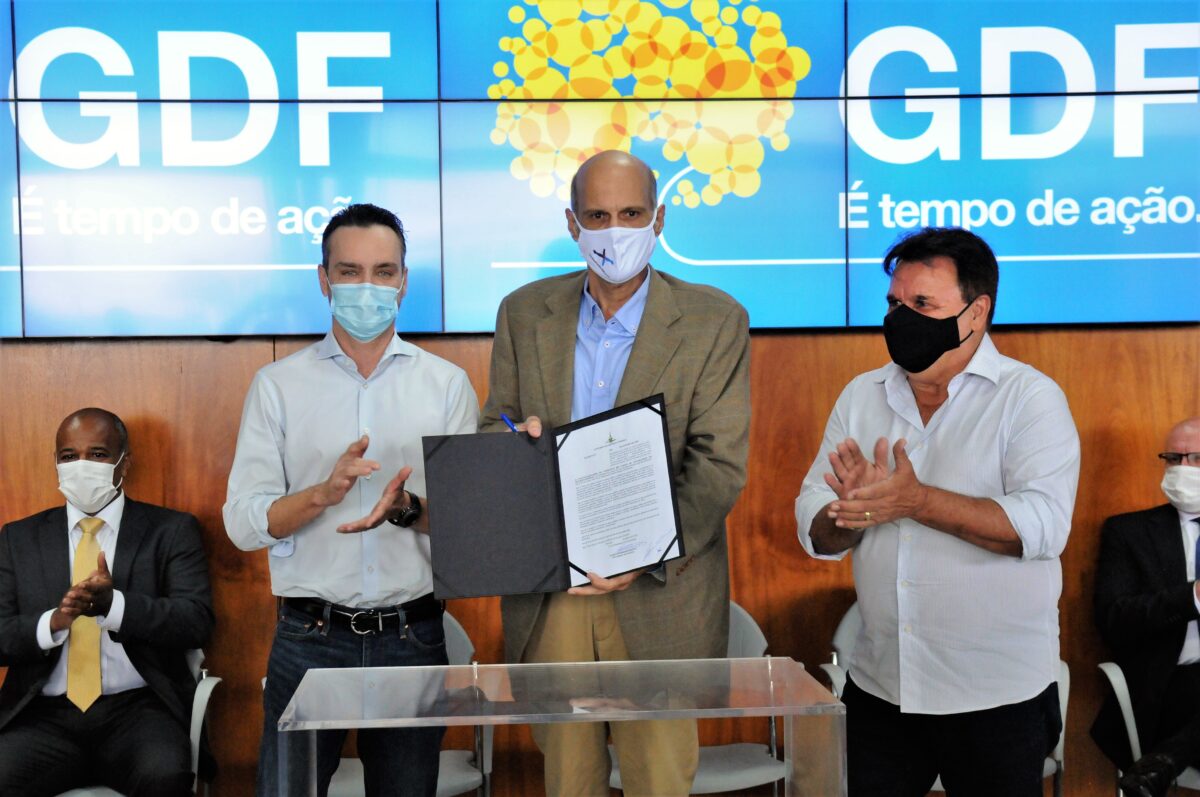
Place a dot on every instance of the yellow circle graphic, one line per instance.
(675, 57)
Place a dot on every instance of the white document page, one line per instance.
(616, 495)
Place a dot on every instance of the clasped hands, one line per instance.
(91, 597)
(350, 467)
(867, 493)
(600, 585)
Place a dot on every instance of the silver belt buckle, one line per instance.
(364, 632)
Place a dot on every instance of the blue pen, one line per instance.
(508, 422)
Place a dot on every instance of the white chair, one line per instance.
(459, 771)
(844, 638)
(205, 684)
(1190, 778)
(732, 767)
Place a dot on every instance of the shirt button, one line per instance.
(907, 536)
(607, 344)
(364, 385)
(905, 583)
(907, 629)
(600, 383)
(370, 569)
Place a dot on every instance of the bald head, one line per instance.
(1184, 437)
(616, 164)
(91, 428)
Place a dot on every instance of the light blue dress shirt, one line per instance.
(602, 350)
(300, 415)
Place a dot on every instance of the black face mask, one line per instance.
(915, 341)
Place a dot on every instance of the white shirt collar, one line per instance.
(329, 347)
(111, 514)
(986, 361)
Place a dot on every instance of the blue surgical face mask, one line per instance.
(364, 310)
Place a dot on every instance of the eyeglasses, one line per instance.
(1177, 458)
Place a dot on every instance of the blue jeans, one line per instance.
(401, 762)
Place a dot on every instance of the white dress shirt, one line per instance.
(947, 626)
(1190, 652)
(300, 415)
(117, 673)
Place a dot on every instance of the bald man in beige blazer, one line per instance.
(691, 343)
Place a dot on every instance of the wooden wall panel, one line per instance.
(182, 400)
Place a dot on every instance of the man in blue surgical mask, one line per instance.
(329, 478)
(950, 475)
(574, 345)
(100, 600)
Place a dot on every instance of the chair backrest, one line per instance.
(1064, 693)
(846, 635)
(459, 649)
(1116, 679)
(746, 639)
(195, 662)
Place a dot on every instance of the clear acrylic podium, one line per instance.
(814, 739)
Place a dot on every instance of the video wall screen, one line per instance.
(170, 166)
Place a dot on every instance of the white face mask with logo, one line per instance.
(88, 485)
(617, 254)
(1181, 485)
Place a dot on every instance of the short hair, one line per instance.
(363, 215)
(110, 418)
(978, 272)
(651, 183)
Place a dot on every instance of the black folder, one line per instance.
(495, 510)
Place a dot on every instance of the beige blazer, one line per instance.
(693, 346)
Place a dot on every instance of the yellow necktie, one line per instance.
(83, 655)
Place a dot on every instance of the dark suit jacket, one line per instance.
(693, 346)
(159, 566)
(1143, 605)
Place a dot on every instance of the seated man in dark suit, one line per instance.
(100, 601)
(1147, 607)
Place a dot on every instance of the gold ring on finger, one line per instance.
(867, 516)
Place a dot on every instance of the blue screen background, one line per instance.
(143, 200)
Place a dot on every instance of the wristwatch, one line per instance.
(409, 514)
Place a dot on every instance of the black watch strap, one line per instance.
(410, 514)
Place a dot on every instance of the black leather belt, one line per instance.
(369, 621)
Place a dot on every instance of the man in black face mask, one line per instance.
(955, 537)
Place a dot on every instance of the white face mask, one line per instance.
(617, 254)
(1181, 485)
(88, 485)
